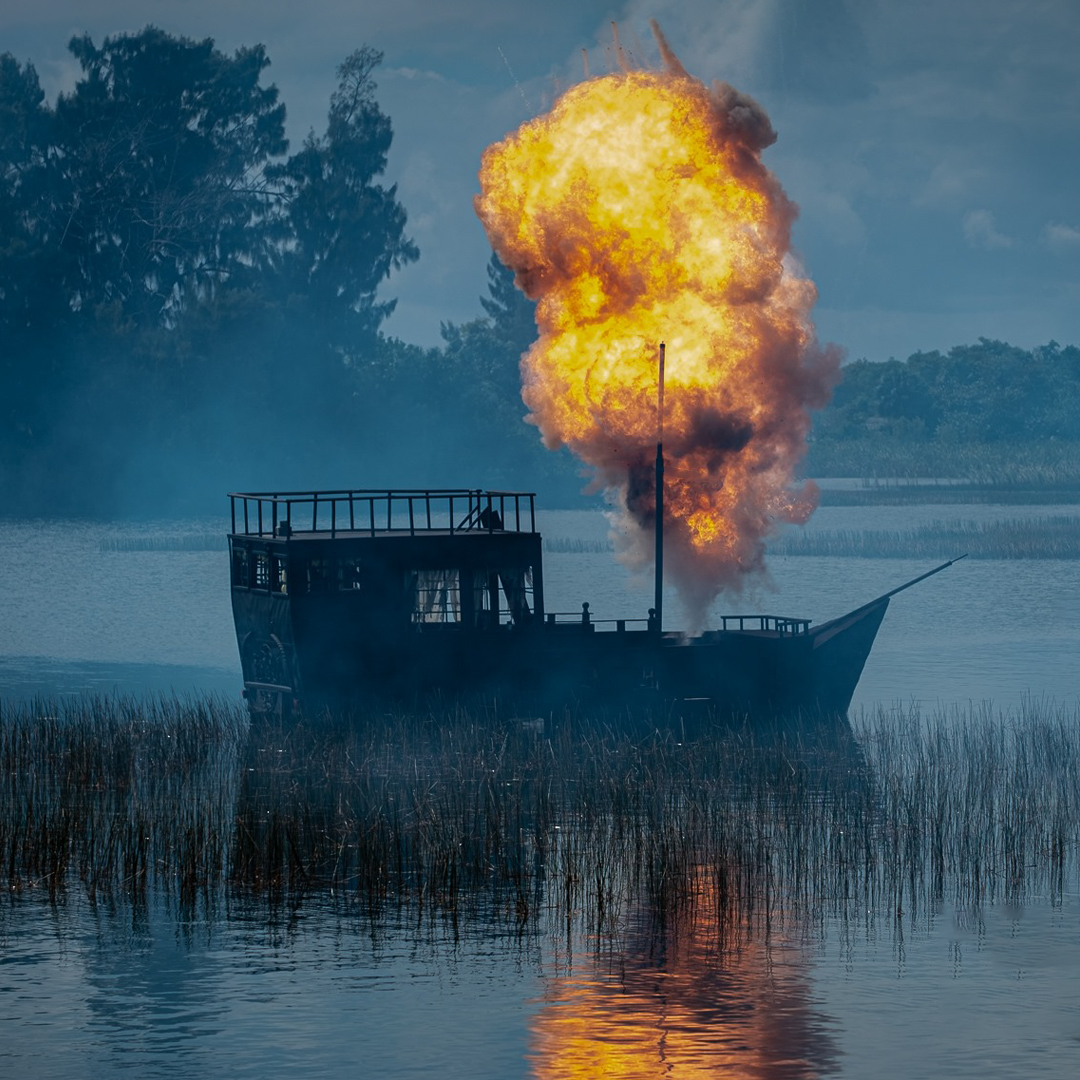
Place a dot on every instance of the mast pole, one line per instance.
(658, 597)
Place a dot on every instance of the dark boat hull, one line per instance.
(319, 658)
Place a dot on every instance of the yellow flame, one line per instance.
(638, 211)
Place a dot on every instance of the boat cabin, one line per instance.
(333, 588)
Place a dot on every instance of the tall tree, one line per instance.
(347, 231)
(25, 136)
(32, 307)
(162, 147)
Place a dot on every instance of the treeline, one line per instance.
(990, 413)
(186, 306)
(983, 393)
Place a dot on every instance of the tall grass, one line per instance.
(462, 815)
(1045, 537)
(185, 542)
(118, 795)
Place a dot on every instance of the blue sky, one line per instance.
(933, 147)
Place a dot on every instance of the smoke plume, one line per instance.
(637, 211)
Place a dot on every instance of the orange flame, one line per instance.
(638, 211)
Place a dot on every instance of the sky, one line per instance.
(932, 146)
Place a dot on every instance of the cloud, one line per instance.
(1060, 236)
(416, 73)
(950, 182)
(980, 231)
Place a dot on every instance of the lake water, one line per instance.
(250, 989)
(79, 615)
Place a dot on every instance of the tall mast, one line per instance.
(658, 598)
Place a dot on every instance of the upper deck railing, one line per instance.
(373, 513)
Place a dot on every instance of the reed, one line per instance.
(564, 545)
(185, 542)
(117, 794)
(1041, 537)
(588, 821)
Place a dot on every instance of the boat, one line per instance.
(348, 596)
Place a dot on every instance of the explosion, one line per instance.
(638, 211)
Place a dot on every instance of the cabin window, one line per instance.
(503, 596)
(262, 570)
(241, 568)
(331, 575)
(517, 583)
(279, 575)
(436, 596)
(319, 575)
(349, 575)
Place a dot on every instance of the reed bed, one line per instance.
(118, 794)
(1053, 536)
(185, 542)
(565, 545)
(579, 822)
(1044, 537)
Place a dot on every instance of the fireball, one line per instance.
(638, 211)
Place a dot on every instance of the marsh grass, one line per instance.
(117, 795)
(185, 542)
(565, 545)
(1045, 537)
(1050, 536)
(576, 822)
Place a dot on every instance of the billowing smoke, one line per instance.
(638, 211)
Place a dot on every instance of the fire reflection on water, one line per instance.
(703, 997)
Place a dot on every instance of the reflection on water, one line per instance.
(701, 999)
(673, 921)
(255, 990)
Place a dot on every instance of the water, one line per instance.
(246, 988)
(254, 993)
(87, 993)
(78, 616)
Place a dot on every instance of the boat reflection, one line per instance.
(701, 999)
